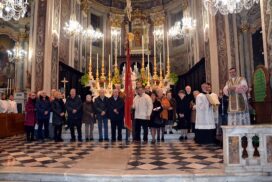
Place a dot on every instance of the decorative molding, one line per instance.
(85, 6)
(116, 20)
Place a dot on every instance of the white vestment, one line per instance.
(236, 115)
(204, 113)
(4, 105)
(12, 107)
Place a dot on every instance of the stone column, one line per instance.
(47, 49)
(40, 30)
(266, 29)
(213, 54)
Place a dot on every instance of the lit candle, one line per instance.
(103, 46)
(97, 61)
(8, 87)
(148, 63)
(109, 65)
(143, 46)
(120, 44)
(167, 47)
(160, 63)
(154, 45)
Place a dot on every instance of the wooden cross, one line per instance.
(64, 81)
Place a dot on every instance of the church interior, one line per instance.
(92, 45)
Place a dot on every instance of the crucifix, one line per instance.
(64, 81)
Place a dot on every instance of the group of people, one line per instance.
(201, 112)
(8, 105)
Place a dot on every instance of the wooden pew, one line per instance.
(11, 124)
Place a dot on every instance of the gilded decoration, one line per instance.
(116, 20)
(85, 6)
(158, 19)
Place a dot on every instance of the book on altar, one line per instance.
(213, 99)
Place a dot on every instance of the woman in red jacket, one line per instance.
(30, 117)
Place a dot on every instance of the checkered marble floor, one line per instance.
(172, 154)
(176, 155)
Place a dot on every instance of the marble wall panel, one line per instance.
(40, 44)
(64, 42)
(222, 50)
(55, 44)
(232, 41)
(234, 154)
(269, 148)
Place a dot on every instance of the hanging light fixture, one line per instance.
(228, 6)
(17, 53)
(13, 9)
(72, 27)
(92, 34)
(182, 28)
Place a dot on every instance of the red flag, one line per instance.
(128, 91)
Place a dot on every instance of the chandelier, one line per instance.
(13, 9)
(182, 28)
(228, 6)
(92, 34)
(72, 27)
(17, 53)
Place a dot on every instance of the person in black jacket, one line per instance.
(101, 107)
(155, 118)
(74, 110)
(43, 109)
(58, 109)
(116, 114)
(223, 108)
(181, 112)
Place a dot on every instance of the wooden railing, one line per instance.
(247, 149)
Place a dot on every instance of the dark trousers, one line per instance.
(43, 123)
(57, 132)
(116, 124)
(138, 124)
(29, 133)
(76, 124)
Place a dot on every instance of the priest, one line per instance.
(238, 110)
(204, 125)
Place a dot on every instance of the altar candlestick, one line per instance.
(155, 76)
(168, 58)
(161, 78)
(143, 65)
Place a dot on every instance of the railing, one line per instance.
(247, 149)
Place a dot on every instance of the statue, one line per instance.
(133, 79)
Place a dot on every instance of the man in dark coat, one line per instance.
(43, 109)
(188, 99)
(74, 109)
(101, 107)
(116, 114)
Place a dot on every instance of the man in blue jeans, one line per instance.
(101, 107)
